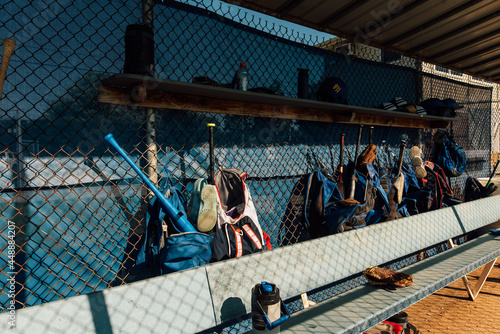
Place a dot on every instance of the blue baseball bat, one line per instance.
(181, 222)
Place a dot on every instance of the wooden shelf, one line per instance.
(137, 90)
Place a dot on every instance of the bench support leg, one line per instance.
(305, 301)
(474, 291)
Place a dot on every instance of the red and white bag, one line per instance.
(237, 231)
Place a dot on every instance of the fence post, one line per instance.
(150, 126)
(20, 218)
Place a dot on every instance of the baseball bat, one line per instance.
(401, 156)
(341, 158)
(353, 175)
(397, 188)
(384, 150)
(340, 184)
(181, 222)
(330, 149)
(211, 168)
(8, 49)
(492, 174)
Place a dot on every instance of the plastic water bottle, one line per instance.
(240, 80)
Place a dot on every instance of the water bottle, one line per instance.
(240, 80)
(400, 318)
(268, 310)
(303, 84)
(139, 50)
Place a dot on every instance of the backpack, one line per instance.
(441, 192)
(372, 198)
(380, 201)
(292, 229)
(237, 231)
(447, 154)
(473, 189)
(321, 189)
(326, 212)
(415, 198)
(159, 254)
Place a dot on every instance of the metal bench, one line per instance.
(365, 306)
(205, 297)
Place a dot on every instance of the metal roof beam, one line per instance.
(489, 74)
(481, 63)
(429, 24)
(468, 44)
(473, 55)
(341, 13)
(288, 6)
(493, 77)
(453, 33)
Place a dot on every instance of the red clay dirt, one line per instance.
(451, 311)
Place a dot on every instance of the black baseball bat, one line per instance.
(211, 148)
(341, 158)
(180, 220)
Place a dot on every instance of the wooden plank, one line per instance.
(134, 90)
(156, 99)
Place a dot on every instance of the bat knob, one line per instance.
(109, 137)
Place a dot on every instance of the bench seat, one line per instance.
(365, 306)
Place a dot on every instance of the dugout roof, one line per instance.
(462, 35)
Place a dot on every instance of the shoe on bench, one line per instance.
(204, 205)
(417, 162)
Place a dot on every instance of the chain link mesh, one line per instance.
(79, 211)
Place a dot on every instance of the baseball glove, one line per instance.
(389, 277)
(368, 155)
(347, 202)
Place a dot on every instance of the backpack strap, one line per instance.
(332, 163)
(309, 161)
(239, 243)
(317, 163)
(252, 236)
(267, 239)
(308, 188)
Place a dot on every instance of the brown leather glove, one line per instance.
(347, 202)
(367, 156)
(389, 277)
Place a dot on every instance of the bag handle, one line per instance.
(165, 181)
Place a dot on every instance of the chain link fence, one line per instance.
(79, 211)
